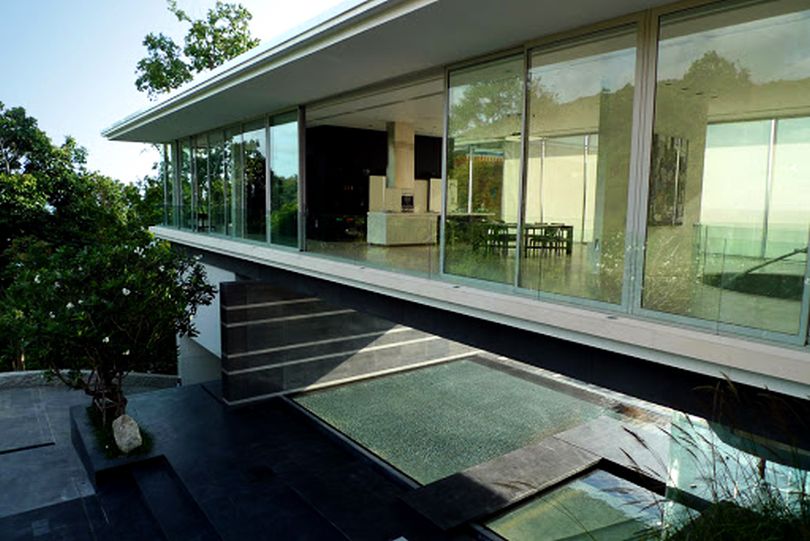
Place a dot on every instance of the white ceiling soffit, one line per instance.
(417, 101)
(367, 43)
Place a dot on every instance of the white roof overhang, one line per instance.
(362, 43)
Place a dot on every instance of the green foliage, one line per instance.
(745, 486)
(163, 69)
(83, 286)
(103, 301)
(488, 109)
(222, 34)
(284, 221)
(144, 198)
(47, 193)
(725, 521)
(107, 307)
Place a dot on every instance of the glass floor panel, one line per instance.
(432, 422)
(595, 507)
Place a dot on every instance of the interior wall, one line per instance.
(338, 163)
(340, 160)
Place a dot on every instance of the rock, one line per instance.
(126, 433)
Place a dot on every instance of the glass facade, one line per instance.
(729, 193)
(169, 207)
(563, 178)
(233, 143)
(483, 170)
(186, 192)
(202, 219)
(580, 119)
(284, 180)
(254, 183)
(219, 182)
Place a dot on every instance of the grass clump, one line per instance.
(726, 521)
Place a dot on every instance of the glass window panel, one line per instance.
(186, 186)
(236, 220)
(596, 506)
(201, 183)
(730, 182)
(483, 170)
(168, 185)
(580, 126)
(220, 185)
(254, 145)
(284, 180)
(789, 208)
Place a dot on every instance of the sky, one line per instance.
(71, 65)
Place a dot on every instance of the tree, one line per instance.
(222, 34)
(46, 191)
(91, 316)
(68, 235)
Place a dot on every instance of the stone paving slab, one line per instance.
(262, 471)
(492, 486)
(640, 448)
(489, 487)
(23, 432)
(38, 477)
(39, 467)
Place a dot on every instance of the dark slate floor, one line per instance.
(260, 472)
(38, 466)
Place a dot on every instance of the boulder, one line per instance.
(127, 434)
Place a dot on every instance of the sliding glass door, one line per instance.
(484, 170)
(728, 212)
(580, 123)
(284, 179)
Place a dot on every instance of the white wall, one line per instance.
(207, 318)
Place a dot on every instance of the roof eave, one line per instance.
(347, 19)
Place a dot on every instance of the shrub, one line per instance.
(108, 309)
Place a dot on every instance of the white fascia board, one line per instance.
(347, 20)
(780, 368)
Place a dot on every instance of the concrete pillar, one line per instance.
(400, 172)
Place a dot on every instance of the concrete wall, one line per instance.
(195, 364)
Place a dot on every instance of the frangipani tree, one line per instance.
(93, 314)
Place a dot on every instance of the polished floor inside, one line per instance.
(681, 290)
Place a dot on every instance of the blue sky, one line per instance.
(72, 64)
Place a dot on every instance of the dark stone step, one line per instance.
(318, 347)
(493, 486)
(176, 512)
(339, 367)
(274, 309)
(636, 453)
(119, 511)
(326, 325)
(115, 512)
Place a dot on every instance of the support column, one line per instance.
(400, 171)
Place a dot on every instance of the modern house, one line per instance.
(615, 191)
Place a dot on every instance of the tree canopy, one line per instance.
(83, 284)
(222, 34)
